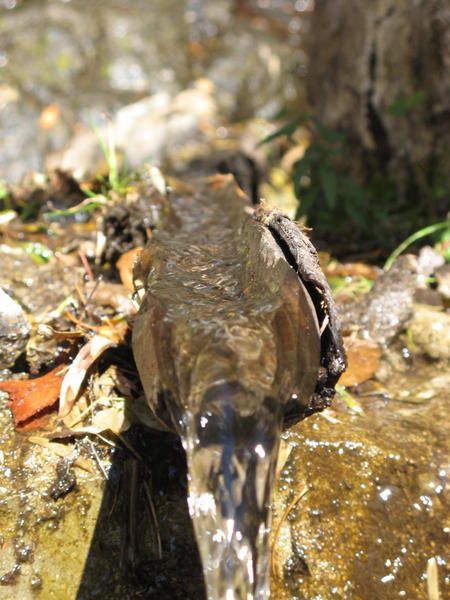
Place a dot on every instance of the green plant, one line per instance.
(5, 200)
(353, 287)
(404, 104)
(39, 253)
(118, 177)
(365, 206)
(86, 206)
(417, 235)
(329, 196)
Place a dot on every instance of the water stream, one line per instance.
(231, 461)
(221, 341)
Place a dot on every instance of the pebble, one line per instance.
(14, 330)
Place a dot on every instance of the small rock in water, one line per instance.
(14, 330)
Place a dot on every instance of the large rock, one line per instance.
(373, 500)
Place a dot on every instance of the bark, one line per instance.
(368, 62)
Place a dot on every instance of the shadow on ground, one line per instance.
(147, 479)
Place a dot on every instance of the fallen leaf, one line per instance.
(115, 295)
(110, 418)
(31, 397)
(363, 357)
(219, 181)
(359, 269)
(108, 336)
(126, 264)
(64, 451)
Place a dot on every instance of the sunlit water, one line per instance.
(231, 461)
(218, 334)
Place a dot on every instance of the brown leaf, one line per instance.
(115, 295)
(107, 337)
(31, 397)
(125, 264)
(358, 269)
(64, 451)
(363, 358)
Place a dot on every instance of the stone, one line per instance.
(14, 330)
(430, 331)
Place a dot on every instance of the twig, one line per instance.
(324, 325)
(94, 452)
(86, 265)
(81, 294)
(154, 518)
(92, 292)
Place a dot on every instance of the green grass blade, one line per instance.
(430, 229)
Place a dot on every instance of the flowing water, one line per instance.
(227, 347)
(231, 463)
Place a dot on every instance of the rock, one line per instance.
(430, 331)
(17, 135)
(383, 312)
(443, 281)
(376, 503)
(14, 330)
(151, 129)
(428, 260)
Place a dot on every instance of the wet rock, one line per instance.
(383, 312)
(430, 331)
(372, 502)
(10, 576)
(14, 330)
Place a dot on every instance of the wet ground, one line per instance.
(374, 508)
(363, 498)
(361, 504)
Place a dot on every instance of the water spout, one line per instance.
(232, 446)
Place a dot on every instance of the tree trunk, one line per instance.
(380, 72)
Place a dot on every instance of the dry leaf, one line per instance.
(31, 397)
(115, 295)
(64, 451)
(107, 337)
(363, 357)
(125, 264)
(335, 269)
(110, 418)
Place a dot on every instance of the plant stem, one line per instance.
(413, 238)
